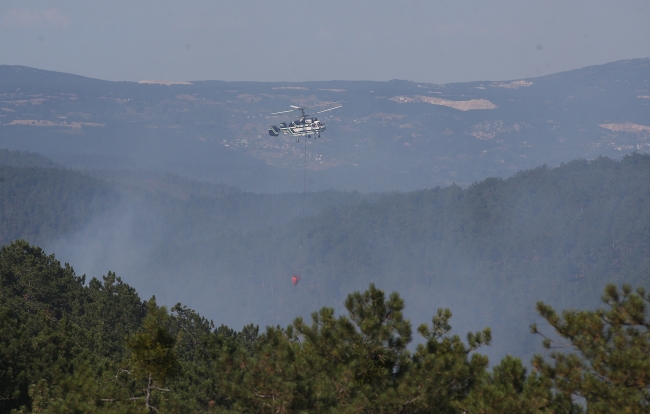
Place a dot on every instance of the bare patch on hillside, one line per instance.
(460, 105)
(296, 88)
(43, 123)
(513, 85)
(627, 127)
(164, 82)
(186, 97)
(21, 102)
(248, 98)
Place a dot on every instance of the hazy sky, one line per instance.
(429, 41)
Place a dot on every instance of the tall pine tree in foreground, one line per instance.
(358, 363)
(152, 352)
(610, 365)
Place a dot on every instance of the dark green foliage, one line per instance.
(24, 159)
(112, 310)
(37, 298)
(67, 347)
(40, 204)
(51, 323)
(585, 219)
(507, 389)
(355, 364)
(70, 347)
(609, 359)
(80, 393)
(153, 356)
(152, 348)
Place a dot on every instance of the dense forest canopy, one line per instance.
(554, 234)
(558, 234)
(71, 346)
(43, 201)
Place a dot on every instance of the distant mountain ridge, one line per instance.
(394, 135)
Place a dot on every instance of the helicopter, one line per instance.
(305, 126)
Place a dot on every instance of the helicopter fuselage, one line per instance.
(303, 127)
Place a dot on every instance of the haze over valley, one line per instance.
(483, 197)
(179, 189)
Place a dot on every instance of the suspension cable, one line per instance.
(304, 192)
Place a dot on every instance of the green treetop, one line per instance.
(610, 365)
(152, 351)
(358, 363)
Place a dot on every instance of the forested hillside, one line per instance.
(44, 202)
(41, 204)
(490, 250)
(24, 159)
(71, 346)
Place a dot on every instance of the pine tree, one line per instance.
(509, 389)
(358, 363)
(152, 351)
(610, 364)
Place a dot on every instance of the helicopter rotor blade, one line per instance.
(282, 112)
(302, 108)
(330, 109)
